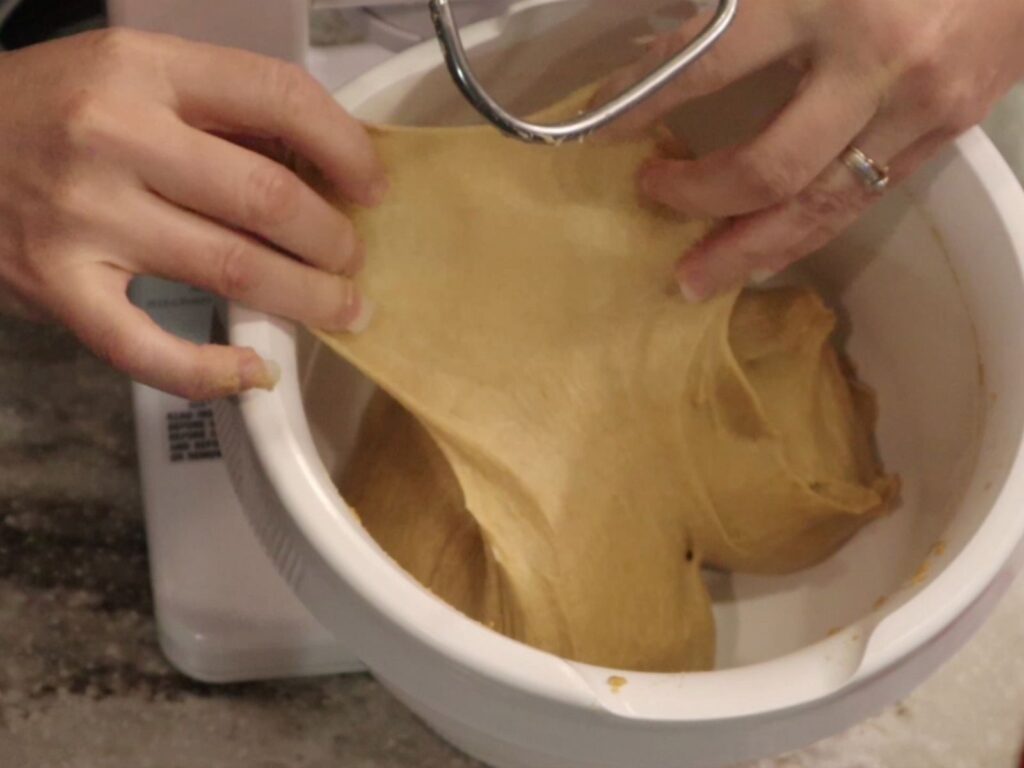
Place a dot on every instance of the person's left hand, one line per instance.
(898, 80)
(127, 153)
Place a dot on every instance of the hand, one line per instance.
(896, 79)
(116, 161)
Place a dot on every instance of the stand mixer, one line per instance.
(223, 612)
(226, 611)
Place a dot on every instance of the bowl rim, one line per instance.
(280, 435)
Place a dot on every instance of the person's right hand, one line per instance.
(894, 80)
(128, 153)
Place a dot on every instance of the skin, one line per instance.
(127, 153)
(899, 80)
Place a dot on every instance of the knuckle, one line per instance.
(946, 104)
(84, 117)
(822, 209)
(894, 40)
(115, 52)
(925, 79)
(707, 75)
(120, 58)
(271, 195)
(202, 384)
(69, 204)
(338, 311)
(769, 179)
(885, 34)
(962, 108)
(929, 97)
(292, 88)
(234, 276)
(115, 44)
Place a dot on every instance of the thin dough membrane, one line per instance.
(561, 442)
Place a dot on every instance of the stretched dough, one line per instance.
(564, 441)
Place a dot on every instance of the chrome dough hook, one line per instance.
(461, 71)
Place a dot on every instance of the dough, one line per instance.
(565, 442)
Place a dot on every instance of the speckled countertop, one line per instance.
(83, 684)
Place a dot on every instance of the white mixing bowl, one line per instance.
(932, 287)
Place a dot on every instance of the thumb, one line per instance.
(125, 337)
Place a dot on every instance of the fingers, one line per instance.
(809, 133)
(759, 245)
(764, 243)
(178, 245)
(250, 192)
(758, 37)
(100, 313)
(260, 96)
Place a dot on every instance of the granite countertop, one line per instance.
(83, 683)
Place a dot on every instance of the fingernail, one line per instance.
(257, 373)
(693, 283)
(689, 293)
(761, 276)
(365, 310)
(689, 287)
(272, 375)
(352, 313)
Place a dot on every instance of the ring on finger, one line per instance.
(873, 175)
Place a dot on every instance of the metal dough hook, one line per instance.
(459, 67)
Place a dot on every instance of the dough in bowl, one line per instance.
(561, 443)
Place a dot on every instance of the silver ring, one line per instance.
(873, 175)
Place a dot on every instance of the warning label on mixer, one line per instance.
(191, 434)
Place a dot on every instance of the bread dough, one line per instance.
(565, 442)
